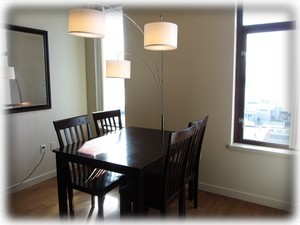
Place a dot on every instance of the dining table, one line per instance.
(129, 151)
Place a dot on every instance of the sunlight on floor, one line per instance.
(111, 206)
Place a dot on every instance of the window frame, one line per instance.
(240, 79)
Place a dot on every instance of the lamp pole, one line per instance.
(162, 100)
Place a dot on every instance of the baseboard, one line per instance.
(249, 197)
(31, 181)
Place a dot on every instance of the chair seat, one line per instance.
(100, 185)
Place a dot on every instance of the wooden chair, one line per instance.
(193, 158)
(94, 181)
(164, 185)
(107, 121)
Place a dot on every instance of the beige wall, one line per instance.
(199, 79)
(26, 131)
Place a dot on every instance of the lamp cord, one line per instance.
(30, 172)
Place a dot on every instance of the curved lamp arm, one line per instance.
(155, 76)
(135, 24)
(128, 17)
(120, 65)
(142, 32)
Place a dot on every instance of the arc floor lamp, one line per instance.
(158, 36)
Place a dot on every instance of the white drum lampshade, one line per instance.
(9, 73)
(88, 23)
(160, 36)
(118, 68)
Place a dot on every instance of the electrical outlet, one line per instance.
(43, 148)
(52, 145)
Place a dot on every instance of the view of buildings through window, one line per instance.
(267, 115)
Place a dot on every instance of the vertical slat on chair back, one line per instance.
(72, 130)
(179, 144)
(193, 156)
(107, 121)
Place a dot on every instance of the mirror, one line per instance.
(27, 79)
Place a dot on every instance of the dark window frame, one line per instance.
(242, 31)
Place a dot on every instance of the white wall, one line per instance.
(199, 78)
(26, 131)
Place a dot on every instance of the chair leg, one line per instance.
(182, 203)
(125, 206)
(71, 206)
(190, 189)
(126, 199)
(195, 192)
(92, 201)
(163, 212)
(100, 206)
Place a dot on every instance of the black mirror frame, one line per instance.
(44, 34)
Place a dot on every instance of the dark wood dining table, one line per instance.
(129, 151)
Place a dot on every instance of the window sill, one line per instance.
(262, 150)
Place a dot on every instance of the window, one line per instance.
(113, 44)
(264, 75)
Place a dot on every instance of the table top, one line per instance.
(128, 148)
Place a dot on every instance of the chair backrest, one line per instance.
(179, 144)
(70, 131)
(193, 156)
(73, 130)
(107, 121)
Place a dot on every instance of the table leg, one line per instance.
(61, 187)
(139, 203)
